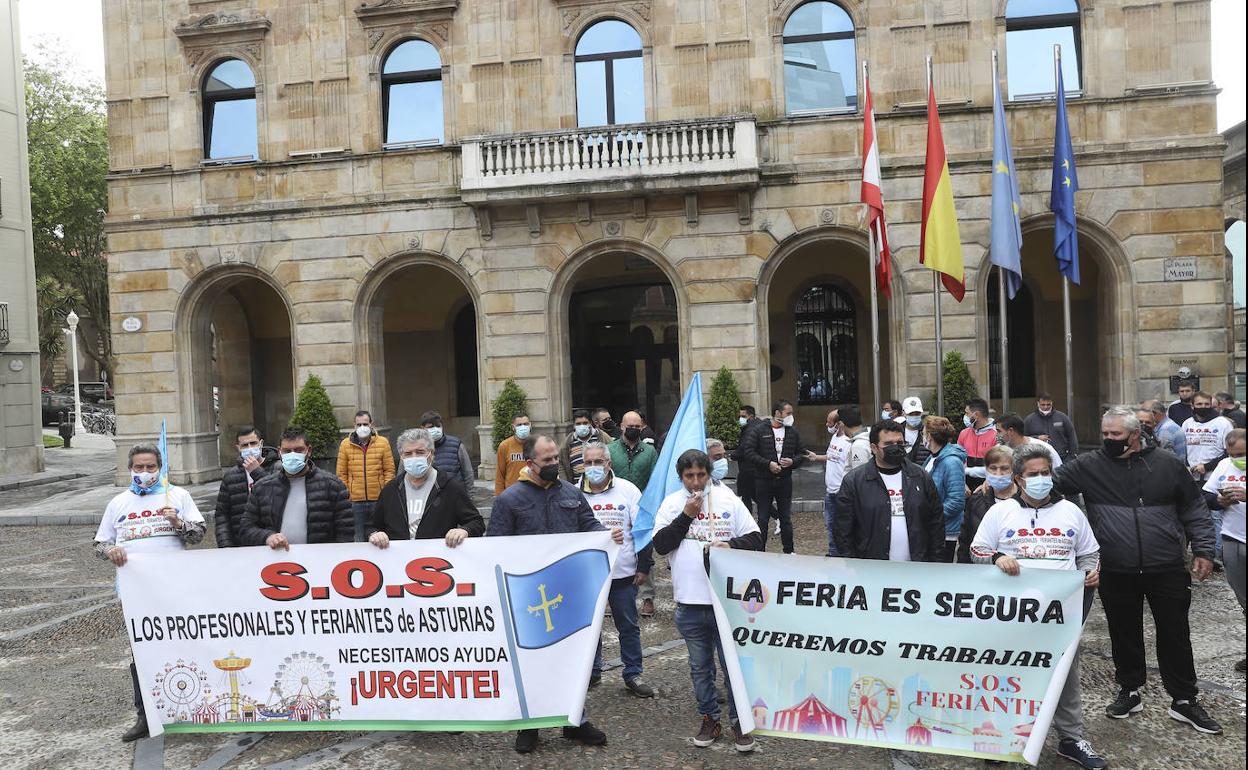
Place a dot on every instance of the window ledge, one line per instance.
(1169, 88)
(320, 153)
(822, 113)
(416, 145)
(237, 160)
(1045, 96)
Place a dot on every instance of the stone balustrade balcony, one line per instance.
(685, 156)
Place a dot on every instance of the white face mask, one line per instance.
(742, 421)
(787, 421)
(363, 431)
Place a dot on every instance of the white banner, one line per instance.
(497, 634)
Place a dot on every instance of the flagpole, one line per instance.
(1070, 372)
(875, 300)
(940, 355)
(1001, 298)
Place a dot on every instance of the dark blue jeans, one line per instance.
(696, 623)
(829, 521)
(623, 602)
(363, 513)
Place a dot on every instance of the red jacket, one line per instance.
(978, 444)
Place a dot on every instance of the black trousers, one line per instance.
(1169, 596)
(138, 693)
(950, 553)
(745, 489)
(771, 489)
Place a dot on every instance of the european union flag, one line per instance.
(688, 431)
(1062, 198)
(551, 604)
(1007, 234)
(163, 446)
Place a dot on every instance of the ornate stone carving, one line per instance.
(638, 10)
(389, 11)
(612, 228)
(245, 23)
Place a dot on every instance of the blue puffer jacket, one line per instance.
(949, 476)
(526, 508)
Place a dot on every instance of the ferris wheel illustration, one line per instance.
(179, 686)
(303, 676)
(873, 703)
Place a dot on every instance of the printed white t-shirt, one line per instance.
(834, 469)
(1227, 475)
(899, 536)
(616, 506)
(724, 517)
(1052, 537)
(135, 523)
(1206, 441)
(777, 435)
(416, 499)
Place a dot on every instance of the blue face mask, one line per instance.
(416, 466)
(435, 434)
(719, 469)
(581, 431)
(967, 421)
(914, 420)
(293, 462)
(251, 452)
(1038, 487)
(596, 474)
(999, 482)
(886, 415)
(522, 431)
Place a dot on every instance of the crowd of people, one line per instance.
(1160, 500)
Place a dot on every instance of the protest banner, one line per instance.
(952, 659)
(496, 634)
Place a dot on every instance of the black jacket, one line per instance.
(744, 469)
(758, 449)
(977, 505)
(329, 508)
(864, 517)
(447, 507)
(1143, 508)
(232, 497)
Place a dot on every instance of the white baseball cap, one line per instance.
(912, 404)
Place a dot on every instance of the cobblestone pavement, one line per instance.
(65, 693)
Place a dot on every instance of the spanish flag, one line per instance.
(940, 246)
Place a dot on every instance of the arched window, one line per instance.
(610, 85)
(411, 95)
(819, 59)
(1021, 332)
(230, 112)
(1032, 28)
(827, 347)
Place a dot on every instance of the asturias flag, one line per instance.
(551, 604)
(688, 431)
(940, 246)
(873, 196)
(1062, 199)
(1007, 233)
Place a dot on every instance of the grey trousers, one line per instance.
(1236, 561)
(1068, 718)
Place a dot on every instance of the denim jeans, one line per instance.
(696, 623)
(1216, 515)
(623, 602)
(363, 513)
(829, 521)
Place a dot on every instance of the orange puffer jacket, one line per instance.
(365, 470)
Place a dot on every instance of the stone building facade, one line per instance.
(21, 440)
(505, 238)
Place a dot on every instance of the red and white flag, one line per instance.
(872, 196)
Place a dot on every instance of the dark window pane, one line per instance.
(228, 76)
(630, 91)
(415, 113)
(591, 93)
(826, 329)
(412, 56)
(233, 129)
(608, 37)
(1020, 8)
(818, 18)
(1029, 60)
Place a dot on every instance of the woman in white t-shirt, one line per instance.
(1038, 529)
(1224, 491)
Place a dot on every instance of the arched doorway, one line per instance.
(623, 337)
(817, 318)
(420, 348)
(242, 367)
(1020, 321)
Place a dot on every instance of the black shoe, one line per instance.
(586, 734)
(526, 741)
(720, 697)
(639, 688)
(1195, 715)
(1127, 703)
(138, 731)
(1242, 665)
(595, 680)
(1081, 753)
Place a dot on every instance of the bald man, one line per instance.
(631, 458)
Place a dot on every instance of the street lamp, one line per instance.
(72, 331)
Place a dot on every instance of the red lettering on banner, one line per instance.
(424, 685)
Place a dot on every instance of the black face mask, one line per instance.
(894, 454)
(549, 473)
(1114, 447)
(1205, 413)
(609, 427)
(632, 434)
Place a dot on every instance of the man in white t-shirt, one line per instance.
(1206, 435)
(1224, 493)
(834, 460)
(1039, 529)
(614, 503)
(147, 517)
(690, 521)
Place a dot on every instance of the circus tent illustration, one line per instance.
(985, 738)
(810, 716)
(919, 734)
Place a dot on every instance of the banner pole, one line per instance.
(505, 600)
(1070, 371)
(940, 354)
(875, 299)
(1001, 294)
